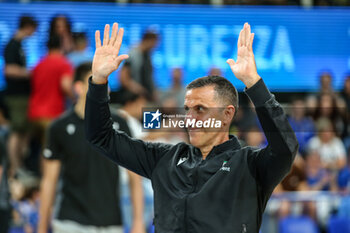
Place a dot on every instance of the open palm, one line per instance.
(106, 58)
(244, 67)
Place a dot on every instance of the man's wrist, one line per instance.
(96, 79)
(258, 93)
(249, 82)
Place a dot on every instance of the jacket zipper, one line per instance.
(185, 214)
(193, 190)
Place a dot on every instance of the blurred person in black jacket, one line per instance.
(17, 91)
(88, 185)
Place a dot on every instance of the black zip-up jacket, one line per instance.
(225, 193)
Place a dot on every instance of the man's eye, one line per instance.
(200, 109)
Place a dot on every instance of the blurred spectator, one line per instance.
(311, 105)
(51, 82)
(88, 199)
(245, 119)
(17, 91)
(326, 83)
(302, 125)
(176, 93)
(346, 92)
(327, 103)
(60, 26)
(329, 147)
(344, 179)
(214, 71)
(346, 97)
(319, 177)
(327, 107)
(26, 204)
(254, 137)
(137, 73)
(296, 179)
(325, 87)
(131, 111)
(137, 192)
(293, 182)
(80, 54)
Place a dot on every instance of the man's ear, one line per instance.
(229, 113)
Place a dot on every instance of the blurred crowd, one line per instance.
(36, 100)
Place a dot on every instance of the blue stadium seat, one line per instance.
(302, 224)
(338, 225)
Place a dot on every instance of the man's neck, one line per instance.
(79, 108)
(205, 150)
(55, 52)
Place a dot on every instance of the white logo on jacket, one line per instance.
(181, 160)
(224, 168)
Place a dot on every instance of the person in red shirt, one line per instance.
(50, 84)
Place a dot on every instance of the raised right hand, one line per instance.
(106, 58)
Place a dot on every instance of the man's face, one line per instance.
(151, 44)
(201, 104)
(81, 87)
(29, 30)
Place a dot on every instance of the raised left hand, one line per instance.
(244, 68)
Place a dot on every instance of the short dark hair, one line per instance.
(224, 89)
(26, 21)
(79, 36)
(81, 71)
(149, 35)
(54, 42)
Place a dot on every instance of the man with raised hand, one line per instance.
(212, 184)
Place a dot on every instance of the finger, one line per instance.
(248, 34)
(114, 34)
(106, 35)
(245, 34)
(231, 62)
(251, 42)
(121, 58)
(119, 40)
(97, 39)
(239, 43)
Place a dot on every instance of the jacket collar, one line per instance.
(231, 144)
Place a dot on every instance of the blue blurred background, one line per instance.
(292, 44)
